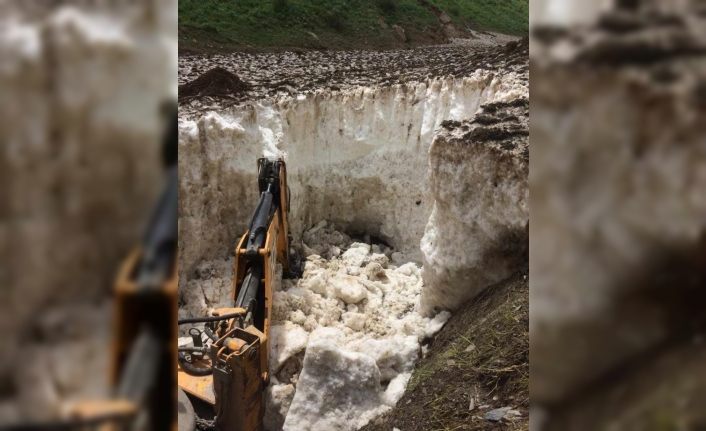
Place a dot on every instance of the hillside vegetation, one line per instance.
(215, 25)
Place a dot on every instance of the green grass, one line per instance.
(492, 347)
(334, 23)
(503, 16)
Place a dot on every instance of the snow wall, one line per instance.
(358, 159)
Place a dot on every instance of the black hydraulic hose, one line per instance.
(249, 289)
(261, 220)
(191, 368)
(210, 333)
(193, 349)
(209, 318)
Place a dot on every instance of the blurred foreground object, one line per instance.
(144, 346)
(81, 84)
(618, 236)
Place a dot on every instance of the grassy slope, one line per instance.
(482, 353)
(222, 24)
(502, 16)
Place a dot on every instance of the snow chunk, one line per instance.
(278, 398)
(286, 340)
(357, 254)
(437, 323)
(392, 355)
(337, 390)
(396, 389)
(355, 321)
(348, 289)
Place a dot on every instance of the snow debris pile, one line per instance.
(345, 336)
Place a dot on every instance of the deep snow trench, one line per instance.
(347, 334)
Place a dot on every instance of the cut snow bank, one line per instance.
(350, 154)
(478, 231)
(618, 200)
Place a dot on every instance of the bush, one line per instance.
(280, 6)
(454, 10)
(334, 20)
(387, 6)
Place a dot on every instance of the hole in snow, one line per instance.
(348, 332)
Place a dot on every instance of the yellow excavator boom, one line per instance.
(230, 371)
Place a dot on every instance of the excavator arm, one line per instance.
(231, 371)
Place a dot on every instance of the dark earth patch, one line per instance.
(217, 82)
(480, 359)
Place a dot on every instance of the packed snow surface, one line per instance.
(272, 75)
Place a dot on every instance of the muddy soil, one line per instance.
(289, 73)
(217, 82)
(478, 363)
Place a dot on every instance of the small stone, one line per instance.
(397, 258)
(497, 415)
(513, 414)
(471, 347)
(355, 321)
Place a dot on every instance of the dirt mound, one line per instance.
(217, 82)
